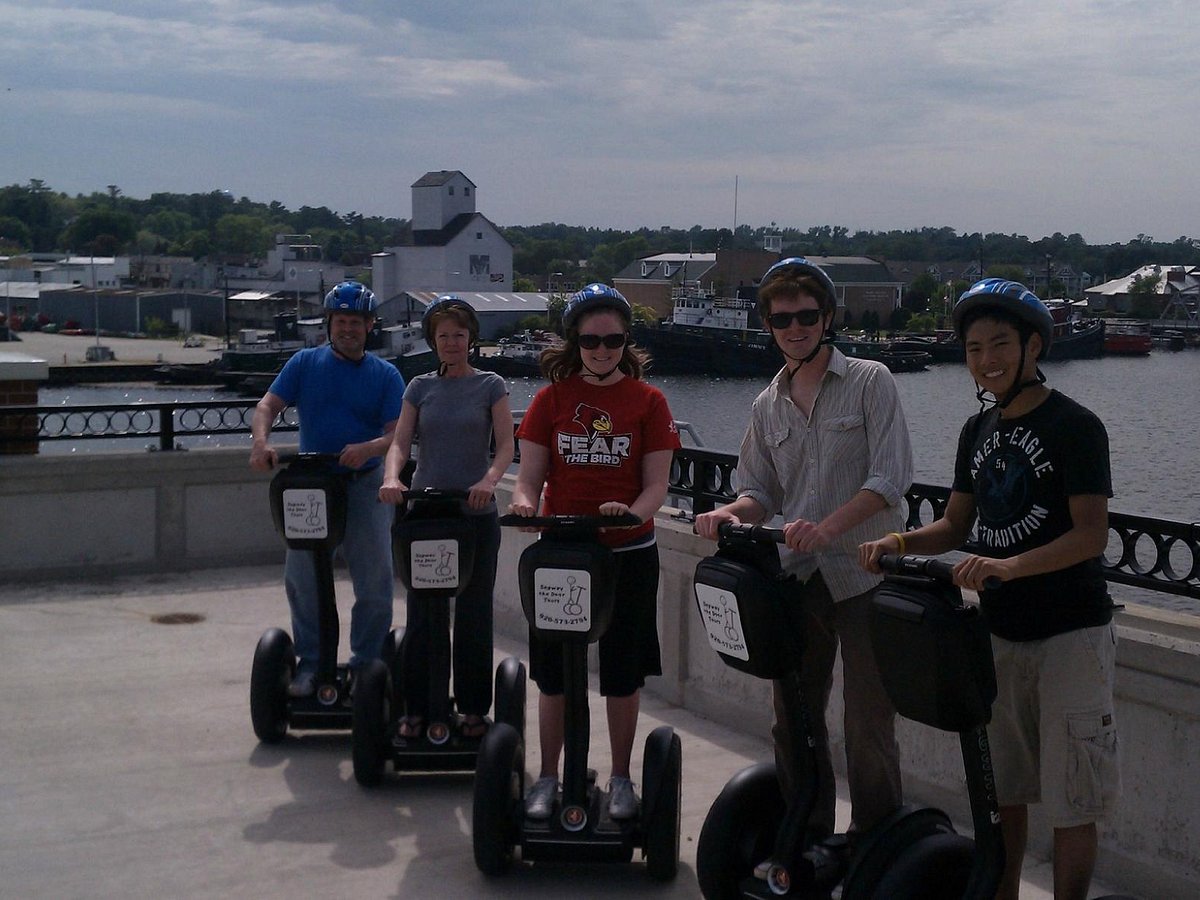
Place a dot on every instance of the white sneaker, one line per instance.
(622, 801)
(303, 685)
(539, 802)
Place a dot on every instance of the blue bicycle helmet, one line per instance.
(1011, 297)
(350, 296)
(802, 267)
(442, 304)
(596, 296)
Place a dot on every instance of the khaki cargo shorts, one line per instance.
(1053, 734)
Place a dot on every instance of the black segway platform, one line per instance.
(434, 546)
(567, 593)
(308, 505)
(935, 656)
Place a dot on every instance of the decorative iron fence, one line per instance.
(1153, 554)
(164, 422)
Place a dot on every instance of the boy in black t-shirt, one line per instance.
(1035, 472)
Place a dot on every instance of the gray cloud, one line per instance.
(1004, 116)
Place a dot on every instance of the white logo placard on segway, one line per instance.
(434, 564)
(305, 514)
(722, 621)
(562, 599)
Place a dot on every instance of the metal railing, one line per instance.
(1153, 554)
(164, 422)
(1160, 555)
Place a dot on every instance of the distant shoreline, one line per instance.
(67, 350)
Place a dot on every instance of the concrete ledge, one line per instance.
(108, 514)
(90, 517)
(16, 366)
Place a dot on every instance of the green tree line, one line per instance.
(34, 217)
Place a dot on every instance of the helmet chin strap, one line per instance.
(826, 338)
(598, 376)
(1013, 392)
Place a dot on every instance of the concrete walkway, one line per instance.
(129, 768)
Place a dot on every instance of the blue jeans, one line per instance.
(367, 549)
(472, 649)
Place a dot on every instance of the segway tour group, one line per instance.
(596, 448)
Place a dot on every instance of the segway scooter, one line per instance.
(935, 656)
(567, 594)
(308, 505)
(434, 546)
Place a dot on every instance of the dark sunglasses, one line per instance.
(781, 321)
(611, 341)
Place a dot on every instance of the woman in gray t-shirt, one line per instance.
(455, 413)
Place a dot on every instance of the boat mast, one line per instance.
(732, 242)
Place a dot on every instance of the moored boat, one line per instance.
(886, 352)
(724, 336)
(1074, 338)
(941, 346)
(1170, 338)
(254, 361)
(1127, 337)
(517, 357)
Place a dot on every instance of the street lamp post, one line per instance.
(225, 305)
(95, 298)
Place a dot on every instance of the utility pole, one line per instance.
(95, 297)
(225, 306)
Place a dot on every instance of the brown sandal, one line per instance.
(473, 727)
(410, 727)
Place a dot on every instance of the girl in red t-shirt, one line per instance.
(600, 441)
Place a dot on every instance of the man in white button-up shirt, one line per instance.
(828, 449)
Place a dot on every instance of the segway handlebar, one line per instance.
(931, 568)
(744, 531)
(624, 520)
(432, 493)
(293, 456)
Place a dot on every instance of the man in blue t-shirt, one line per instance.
(348, 401)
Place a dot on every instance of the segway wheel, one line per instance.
(936, 867)
(391, 645)
(396, 666)
(372, 706)
(510, 694)
(272, 671)
(739, 831)
(499, 789)
(882, 848)
(662, 771)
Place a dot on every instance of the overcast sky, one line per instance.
(1025, 116)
